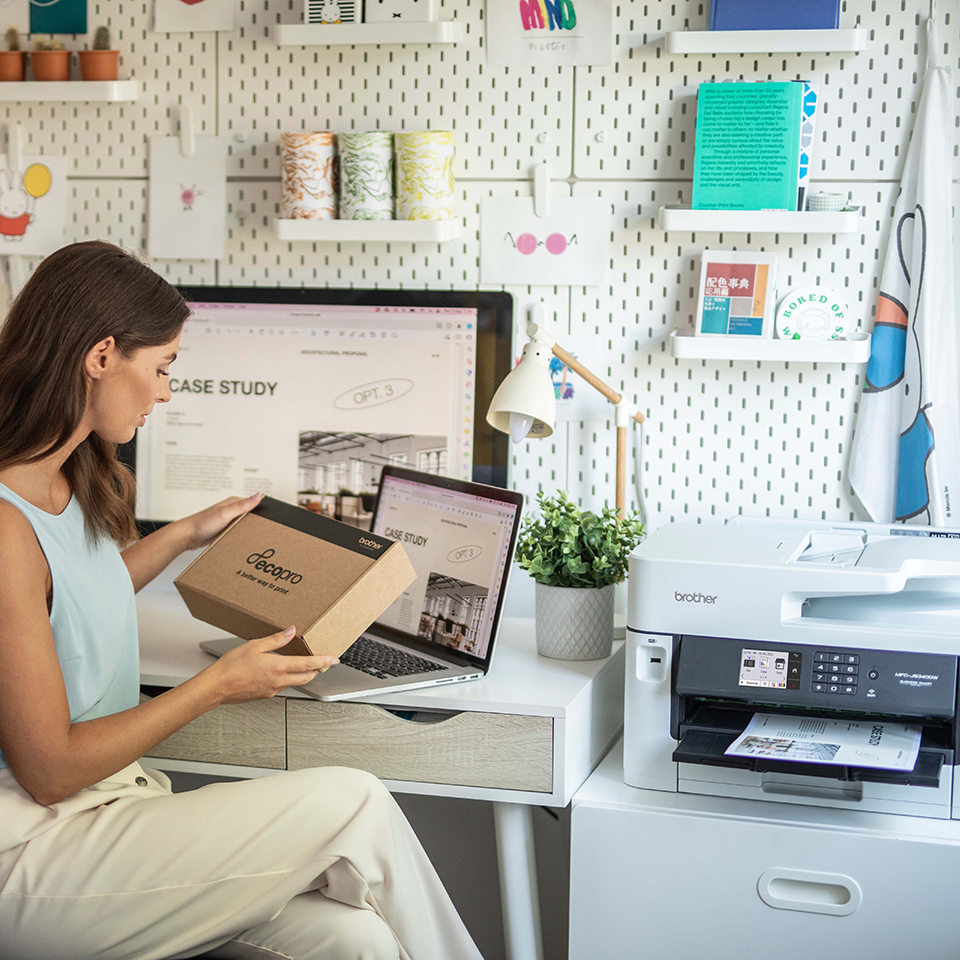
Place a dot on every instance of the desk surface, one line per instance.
(520, 680)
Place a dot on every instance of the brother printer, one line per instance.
(854, 622)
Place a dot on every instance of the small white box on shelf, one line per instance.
(736, 293)
(392, 11)
(331, 11)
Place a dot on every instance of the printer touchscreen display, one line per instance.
(763, 668)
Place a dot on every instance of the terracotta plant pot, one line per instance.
(98, 64)
(12, 64)
(50, 64)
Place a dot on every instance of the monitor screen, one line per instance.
(305, 394)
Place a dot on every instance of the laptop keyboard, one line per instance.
(382, 661)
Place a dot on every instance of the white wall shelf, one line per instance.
(69, 90)
(682, 217)
(685, 346)
(369, 231)
(355, 34)
(765, 41)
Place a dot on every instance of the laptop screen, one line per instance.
(460, 538)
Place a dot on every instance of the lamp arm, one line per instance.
(577, 367)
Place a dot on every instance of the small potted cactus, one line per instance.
(100, 63)
(51, 60)
(12, 60)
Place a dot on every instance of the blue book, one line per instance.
(771, 15)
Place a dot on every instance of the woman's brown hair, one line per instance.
(78, 296)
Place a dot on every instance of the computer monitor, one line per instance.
(305, 393)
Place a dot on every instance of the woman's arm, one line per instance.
(149, 556)
(51, 757)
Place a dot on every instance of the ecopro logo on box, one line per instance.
(693, 597)
(260, 562)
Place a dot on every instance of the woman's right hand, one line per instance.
(253, 671)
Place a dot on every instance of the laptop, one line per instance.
(460, 537)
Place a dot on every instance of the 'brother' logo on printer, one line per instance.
(259, 561)
(692, 597)
(364, 542)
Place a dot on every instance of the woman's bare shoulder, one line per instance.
(17, 539)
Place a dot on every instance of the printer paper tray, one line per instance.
(705, 746)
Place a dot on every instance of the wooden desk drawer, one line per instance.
(502, 751)
(245, 734)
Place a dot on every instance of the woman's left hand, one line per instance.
(205, 526)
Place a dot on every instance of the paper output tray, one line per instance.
(708, 746)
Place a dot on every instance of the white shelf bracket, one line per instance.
(188, 144)
(541, 189)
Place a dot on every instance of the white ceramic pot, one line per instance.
(574, 623)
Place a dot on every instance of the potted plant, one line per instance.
(51, 60)
(576, 558)
(100, 63)
(12, 59)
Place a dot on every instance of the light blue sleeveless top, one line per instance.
(93, 614)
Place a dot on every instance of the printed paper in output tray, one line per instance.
(885, 746)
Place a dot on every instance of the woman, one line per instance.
(97, 856)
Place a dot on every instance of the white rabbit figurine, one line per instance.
(330, 12)
(14, 208)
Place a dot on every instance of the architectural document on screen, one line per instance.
(459, 546)
(257, 385)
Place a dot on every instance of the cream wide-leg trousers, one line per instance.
(316, 864)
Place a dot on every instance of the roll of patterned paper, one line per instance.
(813, 313)
(366, 175)
(425, 175)
(308, 176)
(819, 202)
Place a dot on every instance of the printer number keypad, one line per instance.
(835, 672)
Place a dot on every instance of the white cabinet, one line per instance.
(674, 877)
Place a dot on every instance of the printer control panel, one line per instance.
(817, 676)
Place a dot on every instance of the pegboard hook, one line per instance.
(15, 148)
(15, 277)
(541, 189)
(188, 143)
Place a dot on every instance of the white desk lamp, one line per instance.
(525, 403)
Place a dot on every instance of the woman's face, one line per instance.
(124, 390)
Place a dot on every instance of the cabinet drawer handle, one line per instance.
(833, 894)
(420, 716)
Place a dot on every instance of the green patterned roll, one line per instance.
(425, 189)
(366, 175)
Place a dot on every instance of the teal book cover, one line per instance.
(747, 145)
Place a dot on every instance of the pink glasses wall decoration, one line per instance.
(527, 243)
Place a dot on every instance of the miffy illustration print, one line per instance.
(15, 208)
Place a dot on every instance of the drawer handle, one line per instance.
(833, 894)
(420, 716)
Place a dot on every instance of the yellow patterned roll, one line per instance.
(425, 188)
(308, 176)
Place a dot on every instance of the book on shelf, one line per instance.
(770, 15)
(753, 145)
(737, 294)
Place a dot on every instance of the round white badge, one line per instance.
(812, 313)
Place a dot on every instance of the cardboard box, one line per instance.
(280, 565)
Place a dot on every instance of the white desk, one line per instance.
(528, 734)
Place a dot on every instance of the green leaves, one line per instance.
(565, 547)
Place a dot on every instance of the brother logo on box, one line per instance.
(280, 565)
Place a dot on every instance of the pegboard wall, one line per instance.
(723, 436)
